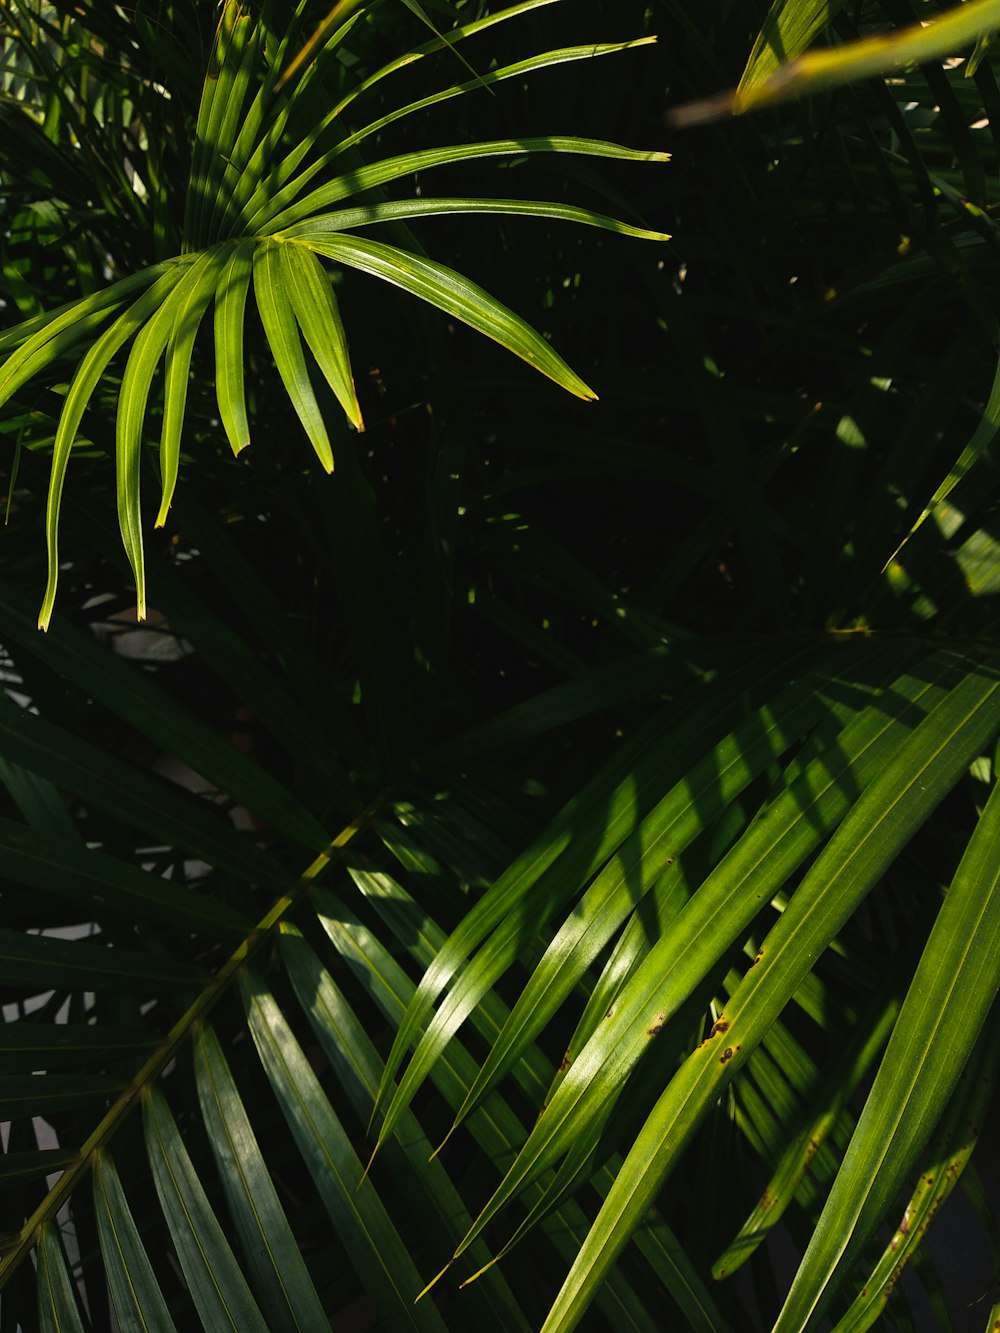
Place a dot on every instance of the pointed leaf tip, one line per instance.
(478, 1274)
(441, 1145)
(364, 1174)
(434, 1281)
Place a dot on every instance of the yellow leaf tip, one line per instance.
(434, 1281)
(477, 1274)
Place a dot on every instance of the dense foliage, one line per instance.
(603, 790)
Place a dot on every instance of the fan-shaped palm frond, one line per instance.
(255, 219)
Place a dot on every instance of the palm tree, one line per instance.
(603, 795)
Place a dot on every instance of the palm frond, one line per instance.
(242, 161)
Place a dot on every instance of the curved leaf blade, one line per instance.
(375, 1248)
(218, 1287)
(197, 294)
(438, 43)
(400, 210)
(132, 694)
(456, 296)
(358, 1068)
(789, 28)
(58, 1311)
(278, 1272)
(135, 1292)
(230, 312)
(961, 1127)
(561, 861)
(685, 811)
(23, 1095)
(850, 1069)
(81, 389)
(281, 329)
(318, 316)
(952, 990)
(37, 341)
(283, 210)
(149, 346)
(882, 820)
(494, 1126)
(811, 804)
(517, 70)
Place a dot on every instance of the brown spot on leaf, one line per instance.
(656, 1027)
(721, 1026)
(727, 1054)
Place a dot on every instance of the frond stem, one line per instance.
(196, 1012)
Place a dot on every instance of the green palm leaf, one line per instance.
(287, 1295)
(135, 1293)
(230, 310)
(884, 818)
(456, 296)
(57, 1308)
(376, 1249)
(953, 988)
(278, 317)
(240, 161)
(218, 1288)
